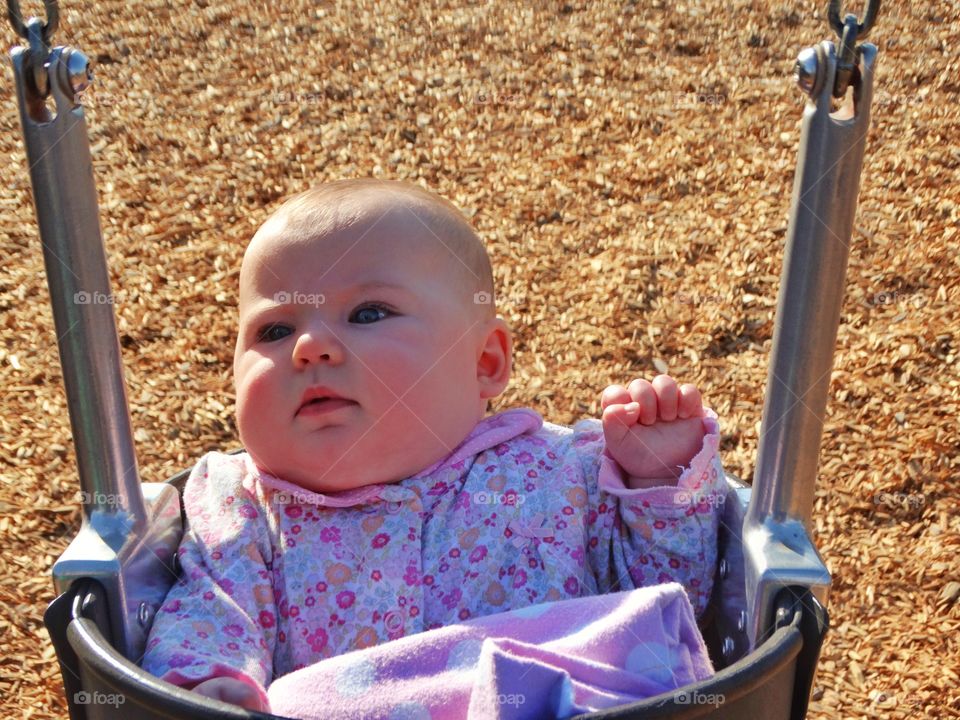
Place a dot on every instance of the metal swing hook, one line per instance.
(850, 31)
(38, 34)
(16, 19)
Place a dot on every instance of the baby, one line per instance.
(376, 498)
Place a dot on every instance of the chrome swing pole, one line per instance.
(778, 550)
(124, 540)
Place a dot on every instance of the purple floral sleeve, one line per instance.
(219, 620)
(656, 535)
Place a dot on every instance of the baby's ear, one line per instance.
(496, 358)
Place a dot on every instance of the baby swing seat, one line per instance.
(765, 624)
(772, 681)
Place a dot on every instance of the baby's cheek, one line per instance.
(254, 393)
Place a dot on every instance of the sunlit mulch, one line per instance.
(630, 166)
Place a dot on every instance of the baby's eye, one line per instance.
(272, 332)
(370, 311)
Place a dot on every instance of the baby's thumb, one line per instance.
(618, 419)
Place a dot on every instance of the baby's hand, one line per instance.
(652, 430)
(232, 691)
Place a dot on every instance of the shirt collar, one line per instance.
(488, 433)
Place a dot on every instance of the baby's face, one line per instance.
(376, 315)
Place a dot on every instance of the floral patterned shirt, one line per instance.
(275, 578)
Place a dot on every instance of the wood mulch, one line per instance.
(630, 167)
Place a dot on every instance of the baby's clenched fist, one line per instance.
(652, 429)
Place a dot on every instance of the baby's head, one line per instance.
(378, 292)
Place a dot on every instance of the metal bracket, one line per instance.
(136, 575)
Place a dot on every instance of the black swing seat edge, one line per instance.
(770, 682)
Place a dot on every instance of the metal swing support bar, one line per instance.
(124, 539)
(777, 545)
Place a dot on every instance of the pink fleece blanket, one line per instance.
(552, 660)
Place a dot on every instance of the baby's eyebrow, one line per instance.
(376, 285)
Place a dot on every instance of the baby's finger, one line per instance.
(613, 395)
(617, 421)
(642, 392)
(625, 414)
(691, 404)
(667, 397)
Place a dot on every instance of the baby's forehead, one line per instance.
(388, 249)
(365, 206)
(406, 231)
(373, 223)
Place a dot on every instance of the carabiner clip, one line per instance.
(850, 32)
(863, 28)
(37, 34)
(16, 19)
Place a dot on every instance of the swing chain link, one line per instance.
(849, 31)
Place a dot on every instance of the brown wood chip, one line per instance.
(630, 167)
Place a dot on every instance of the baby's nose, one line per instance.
(319, 345)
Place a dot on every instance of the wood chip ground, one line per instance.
(630, 167)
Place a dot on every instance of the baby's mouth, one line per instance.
(319, 406)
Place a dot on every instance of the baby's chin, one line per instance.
(322, 478)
